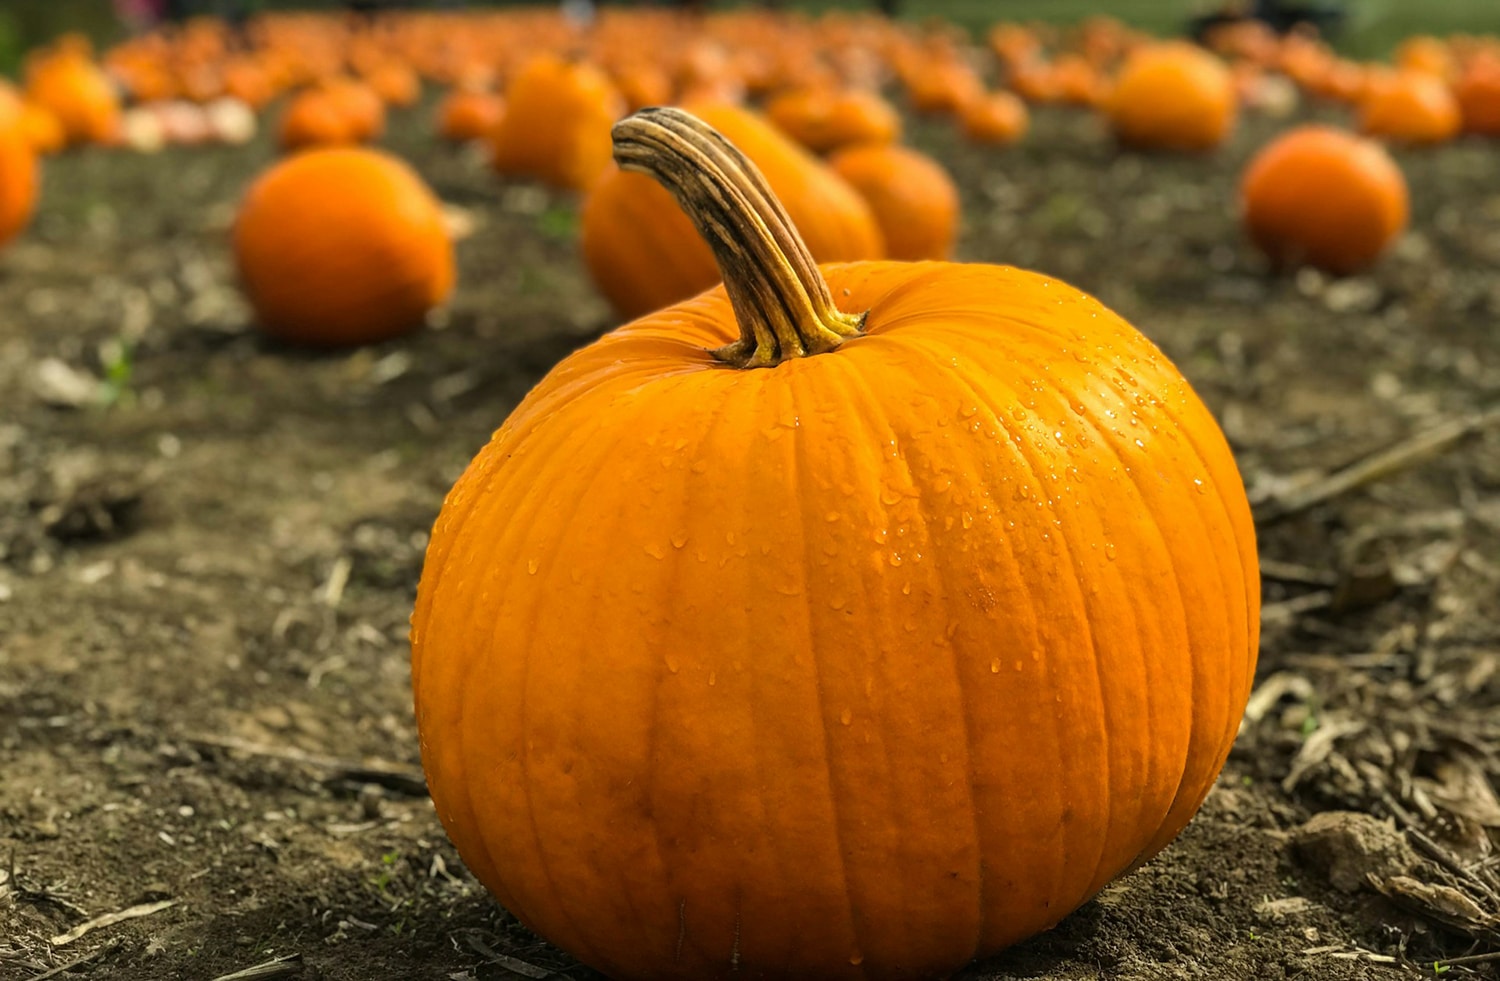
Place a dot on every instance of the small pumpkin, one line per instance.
(1478, 93)
(395, 84)
(643, 253)
(1409, 106)
(43, 129)
(342, 246)
(20, 175)
(914, 199)
(1172, 96)
(1325, 197)
(73, 88)
(313, 118)
(828, 589)
(825, 119)
(998, 118)
(556, 123)
(466, 115)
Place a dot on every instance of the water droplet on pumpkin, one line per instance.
(856, 959)
(995, 666)
(895, 558)
(969, 411)
(968, 520)
(906, 589)
(531, 567)
(655, 551)
(846, 717)
(1141, 444)
(672, 664)
(831, 517)
(1109, 551)
(713, 678)
(680, 539)
(837, 602)
(1199, 486)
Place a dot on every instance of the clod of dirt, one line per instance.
(1349, 847)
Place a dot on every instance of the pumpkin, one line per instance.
(556, 123)
(1424, 53)
(824, 119)
(941, 85)
(342, 246)
(642, 84)
(19, 174)
(1172, 96)
(466, 115)
(998, 118)
(313, 118)
(42, 128)
(359, 104)
(1322, 196)
(914, 200)
(1478, 95)
(840, 623)
(643, 253)
(68, 84)
(396, 85)
(1410, 107)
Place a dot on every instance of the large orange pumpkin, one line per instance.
(1322, 196)
(1410, 107)
(914, 199)
(342, 246)
(833, 629)
(19, 174)
(556, 123)
(1172, 96)
(643, 253)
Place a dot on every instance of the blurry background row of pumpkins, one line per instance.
(813, 101)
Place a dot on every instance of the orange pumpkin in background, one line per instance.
(19, 173)
(643, 253)
(556, 123)
(396, 85)
(908, 648)
(1478, 93)
(824, 119)
(999, 118)
(1172, 96)
(67, 83)
(1325, 197)
(1427, 54)
(641, 84)
(1410, 107)
(43, 129)
(914, 199)
(314, 118)
(941, 86)
(342, 246)
(359, 104)
(466, 115)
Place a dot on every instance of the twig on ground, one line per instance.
(287, 966)
(1465, 961)
(110, 919)
(1450, 861)
(402, 779)
(1377, 466)
(512, 964)
(78, 961)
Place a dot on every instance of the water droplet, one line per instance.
(672, 664)
(1109, 551)
(713, 679)
(680, 539)
(831, 517)
(837, 602)
(906, 589)
(655, 551)
(968, 520)
(1140, 444)
(880, 535)
(1199, 486)
(969, 411)
(895, 558)
(531, 567)
(995, 666)
(846, 717)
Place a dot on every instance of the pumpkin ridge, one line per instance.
(1156, 845)
(870, 411)
(795, 482)
(1034, 471)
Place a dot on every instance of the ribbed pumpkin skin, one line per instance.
(643, 253)
(556, 124)
(914, 200)
(856, 667)
(341, 246)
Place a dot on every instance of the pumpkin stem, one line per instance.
(780, 300)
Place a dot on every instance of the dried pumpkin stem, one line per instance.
(782, 304)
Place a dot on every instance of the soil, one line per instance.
(209, 546)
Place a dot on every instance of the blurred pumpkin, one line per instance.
(20, 175)
(314, 118)
(396, 85)
(1410, 107)
(913, 198)
(1172, 96)
(825, 119)
(938, 85)
(556, 123)
(1478, 93)
(1325, 197)
(43, 129)
(359, 104)
(748, 624)
(466, 115)
(999, 118)
(342, 246)
(642, 83)
(67, 83)
(643, 252)
(1424, 53)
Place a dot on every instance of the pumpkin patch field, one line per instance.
(1063, 541)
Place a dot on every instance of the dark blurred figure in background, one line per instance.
(1281, 16)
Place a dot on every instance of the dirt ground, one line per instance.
(209, 546)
